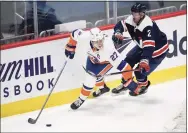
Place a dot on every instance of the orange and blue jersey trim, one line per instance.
(148, 43)
(122, 65)
(71, 45)
(105, 70)
(160, 51)
(97, 68)
(70, 48)
(71, 41)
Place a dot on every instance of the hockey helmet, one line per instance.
(138, 7)
(97, 38)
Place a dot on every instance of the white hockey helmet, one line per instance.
(97, 37)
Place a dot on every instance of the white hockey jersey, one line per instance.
(106, 55)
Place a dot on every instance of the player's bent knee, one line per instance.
(89, 81)
(127, 75)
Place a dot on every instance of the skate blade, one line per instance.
(103, 94)
(118, 94)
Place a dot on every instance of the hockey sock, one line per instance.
(100, 83)
(127, 75)
(85, 92)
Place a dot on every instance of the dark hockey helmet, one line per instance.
(138, 7)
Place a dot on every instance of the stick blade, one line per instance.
(31, 121)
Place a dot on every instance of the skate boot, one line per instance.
(75, 105)
(141, 89)
(121, 87)
(101, 91)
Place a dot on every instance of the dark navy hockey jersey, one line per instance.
(146, 35)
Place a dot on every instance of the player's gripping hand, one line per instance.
(119, 35)
(117, 38)
(70, 51)
(144, 65)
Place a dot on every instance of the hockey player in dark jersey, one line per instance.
(150, 51)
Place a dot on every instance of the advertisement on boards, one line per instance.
(20, 76)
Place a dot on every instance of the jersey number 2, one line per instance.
(114, 56)
(149, 33)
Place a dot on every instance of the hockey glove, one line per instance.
(70, 51)
(144, 65)
(117, 38)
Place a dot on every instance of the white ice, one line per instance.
(153, 111)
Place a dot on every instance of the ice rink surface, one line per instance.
(153, 111)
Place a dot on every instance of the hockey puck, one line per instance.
(48, 125)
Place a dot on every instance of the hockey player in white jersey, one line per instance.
(102, 56)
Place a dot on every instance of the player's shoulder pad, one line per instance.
(76, 33)
(146, 22)
(130, 21)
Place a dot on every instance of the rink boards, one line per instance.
(29, 69)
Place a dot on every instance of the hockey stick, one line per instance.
(115, 73)
(33, 121)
